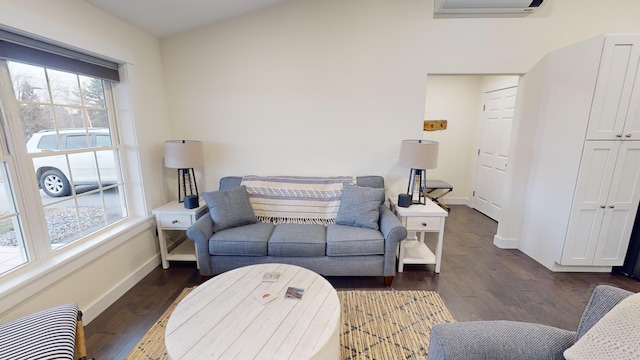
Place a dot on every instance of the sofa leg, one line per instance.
(388, 280)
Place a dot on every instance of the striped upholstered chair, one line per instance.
(55, 333)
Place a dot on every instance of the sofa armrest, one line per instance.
(199, 233)
(393, 232)
(498, 340)
(603, 299)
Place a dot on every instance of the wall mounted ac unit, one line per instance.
(486, 6)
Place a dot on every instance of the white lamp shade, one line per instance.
(183, 154)
(419, 154)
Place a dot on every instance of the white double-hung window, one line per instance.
(61, 163)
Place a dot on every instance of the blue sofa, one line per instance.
(332, 250)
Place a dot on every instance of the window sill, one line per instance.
(36, 276)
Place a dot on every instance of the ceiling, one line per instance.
(162, 18)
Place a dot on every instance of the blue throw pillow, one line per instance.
(359, 206)
(230, 208)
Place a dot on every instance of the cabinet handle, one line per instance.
(602, 206)
(628, 136)
(618, 135)
(174, 222)
(424, 224)
(611, 206)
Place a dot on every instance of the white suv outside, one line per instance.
(52, 171)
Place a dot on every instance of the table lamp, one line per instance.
(185, 155)
(418, 155)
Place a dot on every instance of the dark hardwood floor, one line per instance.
(477, 281)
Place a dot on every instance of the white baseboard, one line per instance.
(95, 309)
(505, 243)
(592, 269)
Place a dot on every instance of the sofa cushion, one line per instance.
(359, 206)
(247, 240)
(298, 240)
(615, 336)
(230, 208)
(343, 240)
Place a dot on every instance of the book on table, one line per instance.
(264, 297)
(271, 276)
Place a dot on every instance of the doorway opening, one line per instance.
(474, 149)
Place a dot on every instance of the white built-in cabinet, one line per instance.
(584, 180)
(616, 100)
(605, 204)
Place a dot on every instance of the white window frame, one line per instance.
(46, 266)
(14, 127)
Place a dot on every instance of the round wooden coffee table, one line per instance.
(224, 318)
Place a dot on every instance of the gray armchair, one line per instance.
(517, 340)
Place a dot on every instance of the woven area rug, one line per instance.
(376, 324)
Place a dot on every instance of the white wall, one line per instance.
(306, 88)
(97, 285)
(332, 87)
(77, 24)
(499, 82)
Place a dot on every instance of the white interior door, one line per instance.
(493, 152)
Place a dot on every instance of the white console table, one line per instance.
(420, 219)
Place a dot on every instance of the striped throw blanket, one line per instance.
(296, 199)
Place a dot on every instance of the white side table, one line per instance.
(420, 219)
(174, 219)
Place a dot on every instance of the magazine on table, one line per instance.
(271, 276)
(294, 293)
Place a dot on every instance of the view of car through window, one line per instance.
(69, 131)
(53, 173)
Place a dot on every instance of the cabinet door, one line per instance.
(622, 205)
(632, 124)
(614, 88)
(589, 203)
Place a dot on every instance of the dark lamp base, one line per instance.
(191, 202)
(404, 200)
